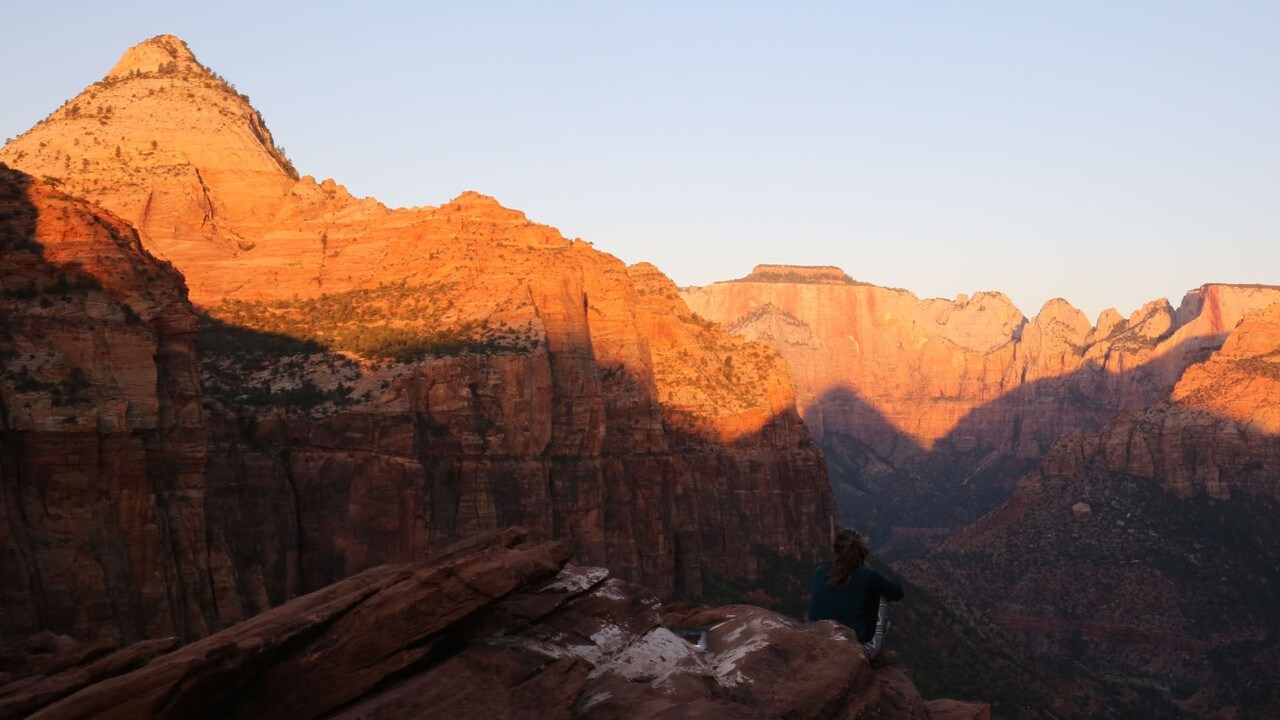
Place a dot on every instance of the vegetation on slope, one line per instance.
(303, 353)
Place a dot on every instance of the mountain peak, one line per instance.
(801, 274)
(479, 206)
(166, 144)
(162, 53)
(473, 198)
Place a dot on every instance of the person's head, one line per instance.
(850, 551)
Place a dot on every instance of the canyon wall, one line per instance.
(929, 410)
(375, 383)
(104, 441)
(1147, 550)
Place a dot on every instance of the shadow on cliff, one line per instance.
(655, 499)
(90, 503)
(245, 369)
(21, 591)
(17, 233)
(1117, 593)
(911, 497)
(282, 489)
(908, 496)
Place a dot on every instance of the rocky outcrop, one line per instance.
(1147, 550)
(929, 410)
(498, 627)
(800, 274)
(53, 667)
(380, 383)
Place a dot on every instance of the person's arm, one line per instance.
(886, 586)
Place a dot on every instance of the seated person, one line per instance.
(849, 592)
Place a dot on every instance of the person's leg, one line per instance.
(874, 645)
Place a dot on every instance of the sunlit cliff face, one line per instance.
(173, 148)
(1242, 380)
(886, 366)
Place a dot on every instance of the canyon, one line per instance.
(1104, 495)
(1147, 549)
(246, 417)
(1095, 500)
(929, 410)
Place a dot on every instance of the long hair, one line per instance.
(850, 552)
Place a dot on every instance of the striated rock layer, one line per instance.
(378, 383)
(495, 628)
(929, 410)
(1148, 550)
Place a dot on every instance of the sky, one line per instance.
(1108, 153)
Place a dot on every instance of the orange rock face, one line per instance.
(1240, 382)
(196, 184)
(1214, 438)
(379, 383)
(928, 410)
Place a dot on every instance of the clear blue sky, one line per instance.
(1105, 152)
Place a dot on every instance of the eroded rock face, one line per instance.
(1240, 382)
(929, 410)
(379, 383)
(502, 628)
(1216, 435)
(1171, 578)
(104, 445)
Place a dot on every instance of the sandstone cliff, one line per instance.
(379, 383)
(495, 627)
(1147, 550)
(929, 410)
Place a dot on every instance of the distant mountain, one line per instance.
(1148, 550)
(928, 411)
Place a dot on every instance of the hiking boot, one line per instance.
(886, 657)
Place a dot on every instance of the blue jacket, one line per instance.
(851, 603)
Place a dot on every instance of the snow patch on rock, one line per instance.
(653, 654)
(575, 579)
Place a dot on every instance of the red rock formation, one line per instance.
(380, 383)
(103, 441)
(933, 404)
(79, 666)
(498, 628)
(1214, 438)
(200, 184)
(1147, 550)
